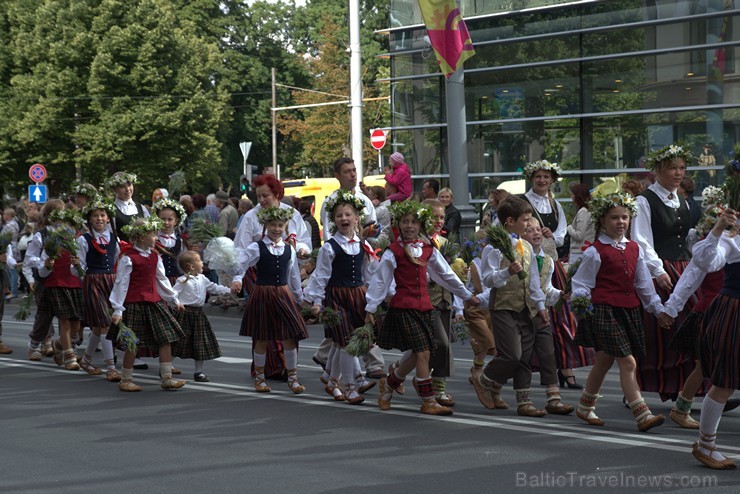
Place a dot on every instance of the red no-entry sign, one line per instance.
(37, 173)
(377, 139)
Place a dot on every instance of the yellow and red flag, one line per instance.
(447, 32)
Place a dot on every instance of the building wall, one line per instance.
(593, 86)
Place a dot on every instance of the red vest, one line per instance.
(142, 285)
(615, 281)
(709, 289)
(61, 276)
(411, 280)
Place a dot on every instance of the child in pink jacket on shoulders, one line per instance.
(400, 176)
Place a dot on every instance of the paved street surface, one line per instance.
(69, 432)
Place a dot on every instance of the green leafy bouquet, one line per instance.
(500, 239)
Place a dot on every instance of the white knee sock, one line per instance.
(330, 358)
(107, 349)
(711, 413)
(356, 369)
(198, 366)
(92, 344)
(347, 365)
(336, 369)
(291, 359)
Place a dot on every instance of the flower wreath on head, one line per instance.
(170, 204)
(99, 204)
(671, 153)
(121, 178)
(266, 215)
(69, 216)
(85, 189)
(421, 212)
(530, 168)
(344, 197)
(599, 205)
(140, 226)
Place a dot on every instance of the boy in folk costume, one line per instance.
(544, 348)
(516, 299)
(98, 251)
(272, 309)
(409, 324)
(137, 300)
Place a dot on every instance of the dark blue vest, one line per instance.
(670, 227)
(732, 280)
(169, 258)
(122, 220)
(272, 270)
(98, 263)
(346, 269)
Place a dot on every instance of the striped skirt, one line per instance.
(63, 303)
(686, 339)
(568, 353)
(663, 370)
(407, 329)
(272, 314)
(616, 331)
(349, 302)
(96, 288)
(153, 323)
(199, 342)
(720, 342)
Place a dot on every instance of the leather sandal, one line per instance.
(384, 390)
(366, 386)
(589, 420)
(295, 386)
(128, 387)
(113, 376)
(171, 384)
(445, 399)
(434, 408)
(726, 464)
(649, 423)
(261, 386)
(530, 410)
(685, 420)
(89, 368)
(335, 392)
(353, 397)
(559, 408)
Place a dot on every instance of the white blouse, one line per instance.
(584, 280)
(315, 291)
(123, 277)
(437, 269)
(543, 205)
(713, 251)
(192, 290)
(642, 230)
(249, 257)
(250, 230)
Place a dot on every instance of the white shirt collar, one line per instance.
(143, 251)
(606, 239)
(662, 192)
(268, 242)
(344, 240)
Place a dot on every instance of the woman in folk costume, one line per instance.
(408, 324)
(270, 191)
(551, 217)
(272, 311)
(661, 228)
(122, 185)
(169, 242)
(98, 252)
(720, 334)
(343, 266)
(137, 300)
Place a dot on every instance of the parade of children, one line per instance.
(494, 298)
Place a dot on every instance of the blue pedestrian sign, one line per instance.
(37, 193)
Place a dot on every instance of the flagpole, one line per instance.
(457, 151)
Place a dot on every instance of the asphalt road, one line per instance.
(69, 432)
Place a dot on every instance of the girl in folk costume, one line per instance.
(270, 191)
(661, 229)
(614, 278)
(39, 343)
(169, 243)
(98, 251)
(62, 294)
(272, 309)
(551, 216)
(199, 342)
(409, 323)
(720, 333)
(137, 301)
(122, 184)
(343, 265)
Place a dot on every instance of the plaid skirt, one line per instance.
(96, 288)
(200, 342)
(63, 303)
(272, 314)
(616, 331)
(349, 302)
(719, 342)
(407, 329)
(686, 339)
(153, 323)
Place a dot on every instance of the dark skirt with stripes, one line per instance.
(407, 329)
(686, 339)
(349, 302)
(663, 370)
(568, 353)
(720, 342)
(154, 325)
(96, 288)
(616, 331)
(200, 342)
(272, 314)
(63, 303)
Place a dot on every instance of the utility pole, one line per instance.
(275, 168)
(355, 74)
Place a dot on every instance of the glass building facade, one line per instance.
(592, 85)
